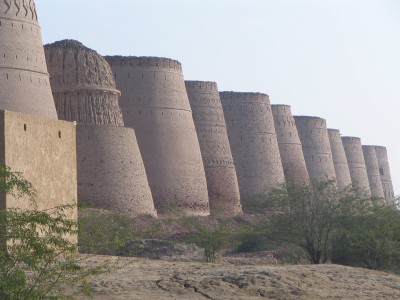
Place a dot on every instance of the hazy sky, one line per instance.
(336, 59)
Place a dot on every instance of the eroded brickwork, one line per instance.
(83, 85)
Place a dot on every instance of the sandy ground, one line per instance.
(138, 278)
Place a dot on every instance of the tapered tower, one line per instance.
(355, 159)
(24, 81)
(252, 137)
(111, 173)
(342, 170)
(208, 116)
(154, 102)
(316, 147)
(371, 162)
(384, 170)
(294, 165)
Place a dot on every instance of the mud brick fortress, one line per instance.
(130, 134)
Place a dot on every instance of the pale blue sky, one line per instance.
(337, 59)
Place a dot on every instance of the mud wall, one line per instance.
(208, 116)
(342, 170)
(355, 159)
(154, 102)
(316, 147)
(253, 141)
(291, 152)
(374, 178)
(24, 81)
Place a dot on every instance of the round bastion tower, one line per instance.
(252, 137)
(111, 173)
(342, 170)
(374, 178)
(24, 81)
(384, 171)
(294, 165)
(155, 103)
(316, 147)
(355, 159)
(208, 116)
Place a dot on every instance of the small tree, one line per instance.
(37, 258)
(307, 215)
(214, 237)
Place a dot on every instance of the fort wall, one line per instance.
(209, 120)
(43, 150)
(253, 141)
(83, 85)
(342, 170)
(374, 178)
(24, 81)
(111, 174)
(291, 152)
(155, 103)
(355, 159)
(384, 170)
(316, 147)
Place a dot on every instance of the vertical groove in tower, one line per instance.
(24, 81)
(342, 170)
(371, 162)
(253, 141)
(83, 85)
(355, 159)
(155, 103)
(316, 147)
(294, 165)
(208, 116)
(111, 172)
(384, 171)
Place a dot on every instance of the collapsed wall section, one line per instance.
(291, 152)
(384, 171)
(43, 151)
(24, 81)
(316, 147)
(342, 170)
(111, 174)
(154, 102)
(355, 159)
(374, 178)
(253, 141)
(83, 85)
(208, 116)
